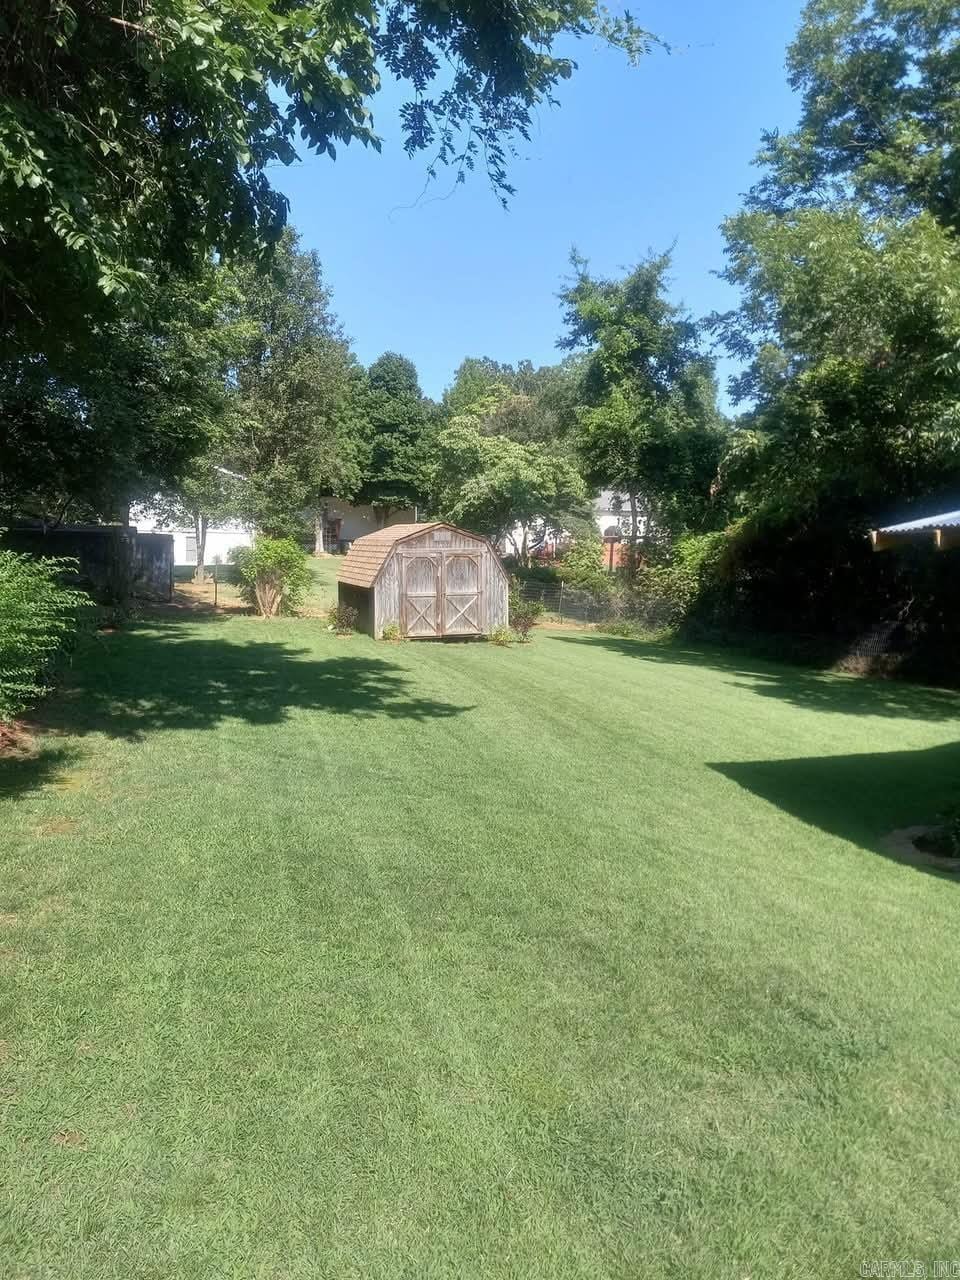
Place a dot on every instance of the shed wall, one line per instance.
(387, 596)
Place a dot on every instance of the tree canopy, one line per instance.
(648, 425)
(298, 409)
(880, 81)
(140, 136)
(397, 418)
(502, 488)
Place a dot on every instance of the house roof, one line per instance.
(945, 529)
(368, 554)
(949, 520)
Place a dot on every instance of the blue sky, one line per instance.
(633, 159)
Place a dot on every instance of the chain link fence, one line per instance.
(575, 604)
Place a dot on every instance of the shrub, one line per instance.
(274, 575)
(391, 632)
(501, 636)
(626, 630)
(38, 621)
(343, 618)
(668, 594)
(582, 566)
(524, 615)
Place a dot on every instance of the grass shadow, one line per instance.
(146, 679)
(814, 690)
(860, 798)
(27, 771)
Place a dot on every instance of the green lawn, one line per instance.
(322, 958)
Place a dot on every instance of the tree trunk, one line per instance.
(382, 515)
(200, 526)
(318, 548)
(525, 548)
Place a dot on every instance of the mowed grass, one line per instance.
(326, 958)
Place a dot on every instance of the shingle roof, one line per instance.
(949, 520)
(366, 556)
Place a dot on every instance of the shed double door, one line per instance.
(440, 593)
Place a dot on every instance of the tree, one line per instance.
(298, 395)
(880, 81)
(851, 330)
(398, 420)
(648, 425)
(522, 402)
(501, 488)
(96, 428)
(139, 136)
(207, 493)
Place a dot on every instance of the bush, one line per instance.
(524, 615)
(344, 619)
(38, 621)
(667, 594)
(582, 567)
(391, 632)
(501, 636)
(274, 575)
(626, 630)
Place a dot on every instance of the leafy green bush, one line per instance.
(274, 575)
(668, 593)
(38, 621)
(391, 632)
(626, 630)
(524, 615)
(343, 618)
(501, 636)
(582, 566)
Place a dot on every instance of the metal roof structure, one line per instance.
(945, 531)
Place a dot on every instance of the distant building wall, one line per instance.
(344, 522)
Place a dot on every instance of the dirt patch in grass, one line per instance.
(57, 827)
(16, 741)
(68, 1138)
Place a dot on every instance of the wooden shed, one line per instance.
(430, 580)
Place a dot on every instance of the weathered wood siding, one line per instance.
(443, 582)
(443, 540)
(387, 592)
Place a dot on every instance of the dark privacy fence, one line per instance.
(114, 561)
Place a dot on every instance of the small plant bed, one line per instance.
(343, 619)
(923, 845)
(942, 841)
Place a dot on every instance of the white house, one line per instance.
(611, 512)
(221, 538)
(343, 522)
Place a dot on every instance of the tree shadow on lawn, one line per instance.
(860, 798)
(146, 679)
(813, 690)
(33, 769)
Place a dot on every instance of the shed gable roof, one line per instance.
(368, 554)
